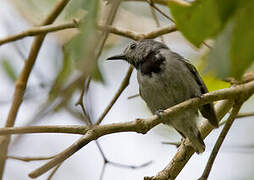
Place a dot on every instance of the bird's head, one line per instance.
(136, 52)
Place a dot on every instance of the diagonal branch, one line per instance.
(220, 140)
(22, 81)
(142, 126)
(122, 87)
(185, 151)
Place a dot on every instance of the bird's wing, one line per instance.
(206, 110)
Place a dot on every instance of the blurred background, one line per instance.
(46, 102)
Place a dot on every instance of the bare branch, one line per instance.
(160, 11)
(40, 30)
(185, 151)
(176, 144)
(136, 36)
(133, 96)
(75, 129)
(54, 171)
(160, 31)
(28, 159)
(220, 140)
(157, 22)
(142, 126)
(122, 87)
(23, 79)
(247, 114)
(164, 2)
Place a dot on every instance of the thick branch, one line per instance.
(185, 151)
(142, 126)
(228, 93)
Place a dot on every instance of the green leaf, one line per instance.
(9, 70)
(62, 76)
(198, 21)
(83, 46)
(213, 83)
(226, 9)
(218, 60)
(211, 80)
(242, 53)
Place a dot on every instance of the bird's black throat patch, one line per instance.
(151, 64)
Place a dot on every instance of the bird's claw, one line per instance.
(158, 113)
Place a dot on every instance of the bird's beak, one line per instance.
(117, 57)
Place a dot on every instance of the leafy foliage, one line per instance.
(204, 19)
(82, 47)
(9, 70)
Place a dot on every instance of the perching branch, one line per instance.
(185, 151)
(228, 93)
(142, 126)
(23, 79)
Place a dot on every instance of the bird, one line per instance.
(165, 79)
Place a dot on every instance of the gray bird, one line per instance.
(165, 79)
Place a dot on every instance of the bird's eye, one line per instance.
(133, 46)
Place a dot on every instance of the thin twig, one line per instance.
(220, 140)
(23, 79)
(28, 159)
(73, 129)
(239, 116)
(176, 144)
(157, 22)
(102, 171)
(40, 30)
(133, 96)
(246, 114)
(81, 103)
(124, 84)
(142, 126)
(160, 31)
(54, 171)
(164, 2)
(130, 166)
(136, 36)
(160, 11)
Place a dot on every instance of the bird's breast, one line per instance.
(172, 85)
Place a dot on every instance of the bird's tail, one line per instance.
(197, 142)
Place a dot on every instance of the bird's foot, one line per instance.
(158, 113)
(197, 96)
